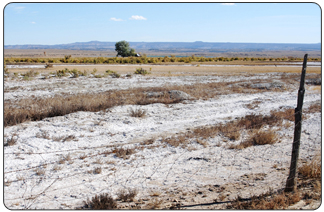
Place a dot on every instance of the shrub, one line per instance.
(141, 71)
(48, 65)
(98, 76)
(26, 78)
(101, 202)
(94, 71)
(62, 73)
(5, 69)
(31, 73)
(113, 74)
(75, 73)
(84, 73)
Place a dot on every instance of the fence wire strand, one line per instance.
(144, 173)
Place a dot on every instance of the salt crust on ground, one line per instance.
(164, 168)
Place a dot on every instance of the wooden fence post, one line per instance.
(291, 180)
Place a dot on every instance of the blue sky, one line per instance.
(60, 23)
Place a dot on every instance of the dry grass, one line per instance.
(65, 158)
(314, 108)
(266, 202)
(154, 203)
(57, 168)
(139, 113)
(288, 114)
(82, 157)
(124, 153)
(101, 202)
(97, 170)
(11, 141)
(233, 129)
(37, 109)
(257, 137)
(39, 171)
(178, 140)
(43, 134)
(312, 169)
(127, 195)
(154, 192)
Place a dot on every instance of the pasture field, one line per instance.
(186, 137)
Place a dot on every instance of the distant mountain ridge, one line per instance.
(178, 46)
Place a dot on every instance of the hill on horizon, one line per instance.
(178, 46)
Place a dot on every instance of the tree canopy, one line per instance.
(122, 48)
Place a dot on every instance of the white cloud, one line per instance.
(137, 17)
(116, 19)
(228, 4)
(33, 22)
(18, 9)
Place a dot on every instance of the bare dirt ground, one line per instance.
(59, 162)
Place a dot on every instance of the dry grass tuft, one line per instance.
(314, 108)
(263, 137)
(101, 202)
(65, 138)
(154, 192)
(154, 203)
(288, 114)
(97, 170)
(127, 195)
(139, 113)
(266, 202)
(123, 153)
(259, 137)
(39, 171)
(179, 140)
(57, 168)
(65, 158)
(312, 169)
(202, 142)
(43, 134)
(11, 141)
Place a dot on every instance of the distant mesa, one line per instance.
(184, 46)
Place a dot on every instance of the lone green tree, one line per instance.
(122, 48)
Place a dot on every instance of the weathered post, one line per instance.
(291, 180)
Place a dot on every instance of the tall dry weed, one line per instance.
(266, 202)
(312, 169)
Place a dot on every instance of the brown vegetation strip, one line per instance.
(35, 109)
(38, 109)
(232, 130)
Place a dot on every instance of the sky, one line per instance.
(62, 23)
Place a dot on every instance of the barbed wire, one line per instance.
(143, 178)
